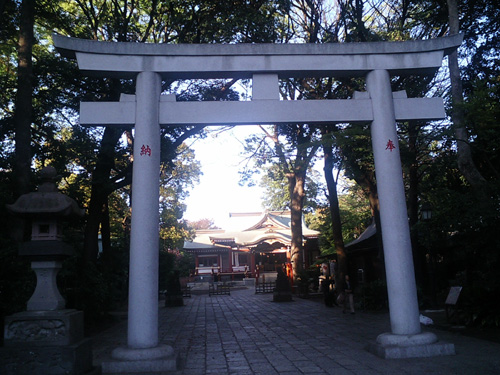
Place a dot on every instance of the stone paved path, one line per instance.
(245, 333)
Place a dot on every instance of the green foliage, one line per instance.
(276, 189)
(171, 261)
(463, 236)
(276, 193)
(321, 221)
(355, 214)
(480, 23)
(482, 111)
(17, 280)
(173, 232)
(97, 288)
(308, 281)
(482, 305)
(177, 177)
(86, 289)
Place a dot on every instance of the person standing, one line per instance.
(349, 296)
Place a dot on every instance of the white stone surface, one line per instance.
(401, 286)
(244, 60)
(261, 111)
(149, 367)
(413, 351)
(265, 86)
(46, 295)
(44, 328)
(144, 242)
(388, 339)
(127, 354)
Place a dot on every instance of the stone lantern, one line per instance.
(47, 338)
(46, 208)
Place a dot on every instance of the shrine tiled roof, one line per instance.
(248, 230)
(250, 238)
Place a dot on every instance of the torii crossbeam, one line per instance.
(147, 110)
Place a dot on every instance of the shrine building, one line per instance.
(253, 243)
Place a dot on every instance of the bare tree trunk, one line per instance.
(97, 211)
(296, 177)
(23, 108)
(366, 180)
(296, 183)
(413, 204)
(333, 200)
(375, 208)
(464, 155)
(360, 26)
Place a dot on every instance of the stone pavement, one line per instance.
(245, 333)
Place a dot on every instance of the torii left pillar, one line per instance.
(143, 354)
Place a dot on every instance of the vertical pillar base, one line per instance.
(127, 360)
(426, 344)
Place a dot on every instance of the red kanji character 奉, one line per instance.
(390, 146)
(145, 150)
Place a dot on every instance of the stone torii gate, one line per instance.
(147, 110)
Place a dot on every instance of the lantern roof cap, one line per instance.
(47, 201)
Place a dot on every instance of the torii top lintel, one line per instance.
(190, 61)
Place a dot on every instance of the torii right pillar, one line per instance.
(406, 338)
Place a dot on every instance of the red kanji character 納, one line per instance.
(145, 150)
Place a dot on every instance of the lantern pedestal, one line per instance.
(46, 342)
(46, 260)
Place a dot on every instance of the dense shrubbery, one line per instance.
(17, 281)
(479, 306)
(171, 261)
(372, 295)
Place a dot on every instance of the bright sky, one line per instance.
(218, 192)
